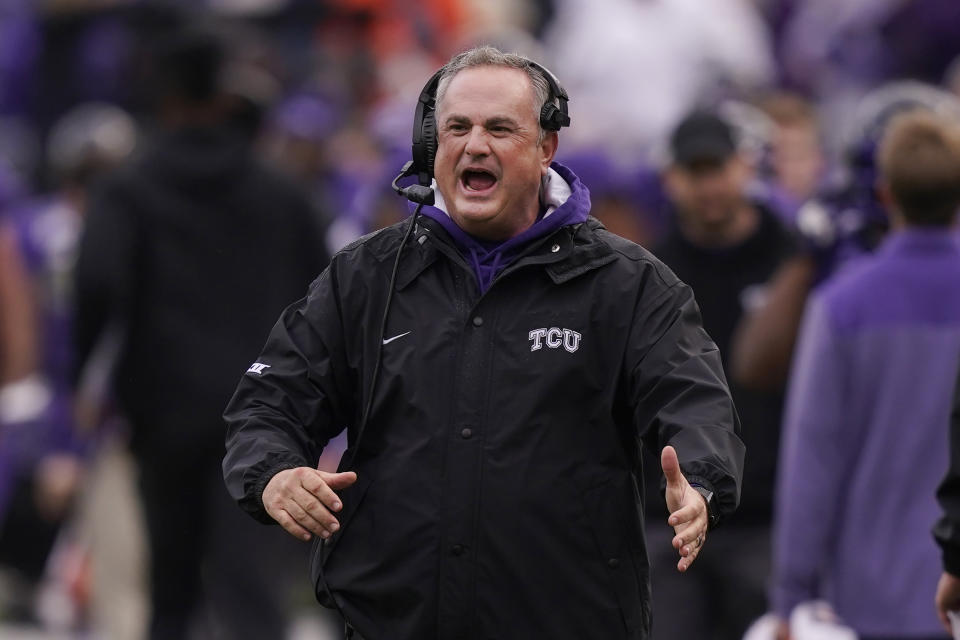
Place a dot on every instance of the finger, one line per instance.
(671, 466)
(944, 620)
(686, 514)
(686, 561)
(321, 490)
(290, 525)
(688, 536)
(316, 510)
(340, 480)
(304, 519)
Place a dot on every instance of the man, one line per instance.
(947, 530)
(193, 249)
(725, 246)
(526, 353)
(869, 400)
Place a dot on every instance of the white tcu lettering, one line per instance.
(571, 340)
(554, 338)
(257, 368)
(537, 336)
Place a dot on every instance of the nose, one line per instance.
(477, 143)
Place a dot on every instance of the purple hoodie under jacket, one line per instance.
(564, 200)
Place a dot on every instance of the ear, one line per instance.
(889, 203)
(548, 149)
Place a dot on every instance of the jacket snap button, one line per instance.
(467, 433)
(555, 248)
(457, 549)
(613, 563)
(477, 321)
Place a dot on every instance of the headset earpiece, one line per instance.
(425, 131)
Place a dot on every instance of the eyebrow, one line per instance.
(489, 122)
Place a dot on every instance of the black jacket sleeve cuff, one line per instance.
(951, 561)
(261, 474)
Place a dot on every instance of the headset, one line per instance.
(552, 118)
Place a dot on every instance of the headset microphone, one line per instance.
(417, 193)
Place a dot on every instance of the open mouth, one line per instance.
(477, 180)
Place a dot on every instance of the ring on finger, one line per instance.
(699, 540)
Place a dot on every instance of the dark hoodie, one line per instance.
(564, 200)
(196, 248)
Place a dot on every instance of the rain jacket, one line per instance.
(499, 481)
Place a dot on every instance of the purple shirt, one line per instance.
(865, 441)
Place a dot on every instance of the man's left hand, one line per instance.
(688, 511)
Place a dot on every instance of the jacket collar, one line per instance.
(567, 253)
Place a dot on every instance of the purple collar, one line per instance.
(489, 259)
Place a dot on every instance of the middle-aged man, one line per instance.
(527, 352)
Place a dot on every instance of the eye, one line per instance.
(456, 127)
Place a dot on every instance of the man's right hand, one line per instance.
(303, 501)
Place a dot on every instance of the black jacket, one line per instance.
(194, 249)
(947, 530)
(498, 492)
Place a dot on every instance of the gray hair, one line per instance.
(487, 56)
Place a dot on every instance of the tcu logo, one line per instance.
(555, 338)
(257, 368)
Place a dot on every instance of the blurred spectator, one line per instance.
(635, 68)
(194, 250)
(844, 222)
(869, 404)
(725, 246)
(42, 449)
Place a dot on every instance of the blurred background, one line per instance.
(320, 95)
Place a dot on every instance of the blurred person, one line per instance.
(725, 246)
(947, 529)
(668, 57)
(193, 249)
(490, 486)
(845, 222)
(42, 446)
(869, 404)
(798, 161)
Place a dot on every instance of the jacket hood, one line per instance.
(564, 200)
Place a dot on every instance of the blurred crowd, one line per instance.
(251, 139)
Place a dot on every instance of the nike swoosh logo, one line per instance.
(389, 340)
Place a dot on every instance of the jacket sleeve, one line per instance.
(292, 401)
(680, 395)
(947, 530)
